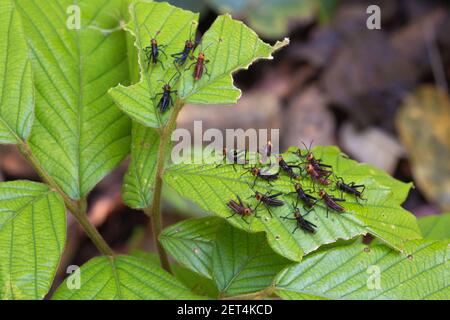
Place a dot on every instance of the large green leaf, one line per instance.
(16, 86)
(197, 283)
(238, 262)
(124, 278)
(244, 262)
(191, 243)
(435, 227)
(211, 187)
(79, 135)
(228, 44)
(32, 238)
(173, 24)
(351, 272)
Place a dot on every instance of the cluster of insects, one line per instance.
(153, 53)
(306, 166)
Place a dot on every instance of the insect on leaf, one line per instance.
(170, 27)
(79, 135)
(137, 187)
(435, 227)
(211, 187)
(378, 272)
(124, 278)
(32, 238)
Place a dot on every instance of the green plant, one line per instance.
(66, 100)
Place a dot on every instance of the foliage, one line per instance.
(77, 101)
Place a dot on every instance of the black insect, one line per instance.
(302, 223)
(307, 199)
(153, 50)
(166, 96)
(350, 188)
(310, 159)
(240, 209)
(331, 202)
(268, 200)
(262, 174)
(189, 46)
(288, 168)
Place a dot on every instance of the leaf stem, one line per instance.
(77, 208)
(155, 211)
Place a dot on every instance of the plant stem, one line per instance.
(155, 211)
(77, 208)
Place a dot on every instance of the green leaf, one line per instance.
(211, 187)
(350, 272)
(228, 44)
(244, 262)
(124, 278)
(79, 135)
(32, 238)
(137, 190)
(173, 24)
(435, 227)
(238, 262)
(16, 86)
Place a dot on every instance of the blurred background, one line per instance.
(380, 95)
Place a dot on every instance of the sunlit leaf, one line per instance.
(79, 135)
(211, 187)
(238, 262)
(124, 278)
(377, 272)
(229, 46)
(435, 227)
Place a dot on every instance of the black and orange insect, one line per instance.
(200, 65)
(268, 200)
(302, 223)
(307, 199)
(350, 188)
(288, 168)
(189, 46)
(153, 50)
(240, 209)
(320, 176)
(331, 202)
(166, 96)
(262, 174)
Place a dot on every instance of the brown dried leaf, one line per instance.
(424, 126)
